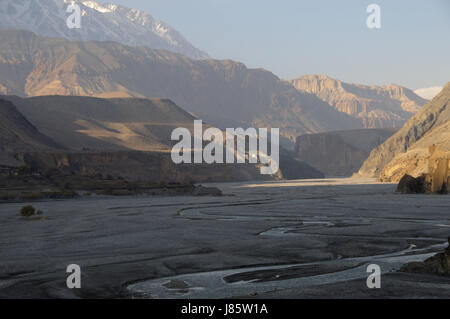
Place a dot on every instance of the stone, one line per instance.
(411, 185)
(436, 265)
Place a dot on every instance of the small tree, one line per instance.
(27, 211)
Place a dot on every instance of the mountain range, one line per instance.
(122, 137)
(101, 22)
(223, 93)
(375, 106)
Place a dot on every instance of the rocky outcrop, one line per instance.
(141, 166)
(407, 151)
(375, 106)
(436, 265)
(159, 167)
(437, 178)
(411, 185)
(339, 153)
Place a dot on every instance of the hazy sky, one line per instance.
(296, 37)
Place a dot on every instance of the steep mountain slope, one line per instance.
(339, 153)
(99, 22)
(85, 123)
(223, 93)
(108, 131)
(375, 106)
(17, 134)
(429, 127)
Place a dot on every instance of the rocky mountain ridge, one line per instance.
(388, 106)
(223, 93)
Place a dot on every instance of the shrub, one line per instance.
(27, 211)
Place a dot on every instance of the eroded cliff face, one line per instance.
(438, 178)
(375, 106)
(431, 171)
(408, 149)
(141, 166)
(159, 167)
(339, 153)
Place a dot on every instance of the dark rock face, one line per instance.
(293, 168)
(339, 153)
(437, 265)
(141, 166)
(411, 185)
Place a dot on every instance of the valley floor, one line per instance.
(296, 239)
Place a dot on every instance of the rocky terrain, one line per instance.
(339, 153)
(436, 265)
(375, 106)
(122, 138)
(101, 22)
(85, 123)
(427, 173)
(144, 166)
(17, 134)
(407, 151)
(298, 239)
(223, 93)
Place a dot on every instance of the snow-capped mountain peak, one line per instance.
(100, 22)
(429, 93)
(98, 7)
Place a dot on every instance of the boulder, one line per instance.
(207, 191)
(435, 181)
(411, 185)
(437, 265)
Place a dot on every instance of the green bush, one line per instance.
(27, 211)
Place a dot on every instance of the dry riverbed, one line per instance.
(295, 239)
